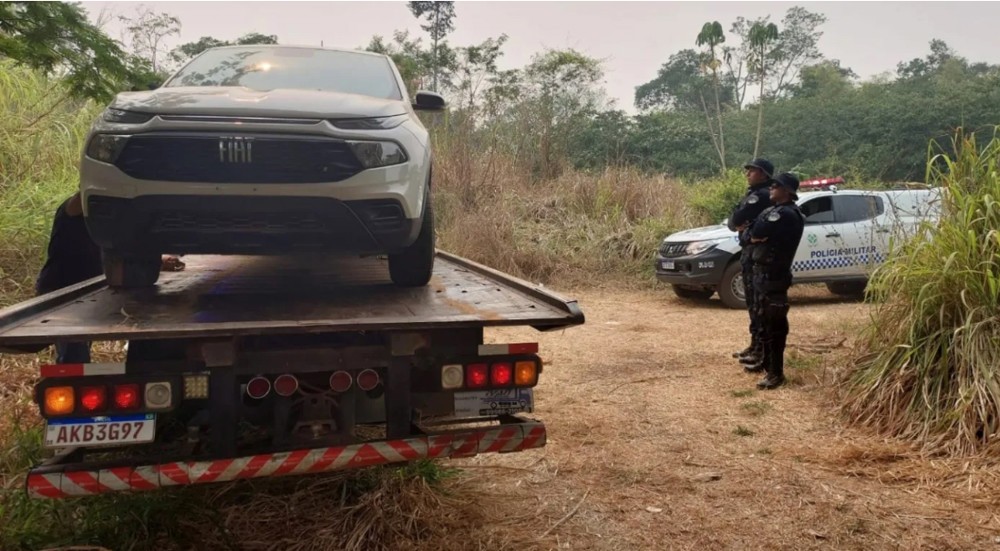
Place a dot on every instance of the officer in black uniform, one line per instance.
(757, 198)
(72, 257)
(775, 234)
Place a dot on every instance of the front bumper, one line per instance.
(193, 224)
(702, 270)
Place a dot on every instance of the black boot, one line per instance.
(775, 366)
(744, 352)
(756, 367)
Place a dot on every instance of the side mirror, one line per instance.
(428, 101)
(154, 85)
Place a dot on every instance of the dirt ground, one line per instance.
(658, 440)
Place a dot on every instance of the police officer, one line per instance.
(756, 199)
(775, 235)
(72, 257)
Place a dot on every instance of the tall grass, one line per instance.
(928, 366)
(41, 137)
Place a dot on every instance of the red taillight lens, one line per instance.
(341, 381)
(93, 398)
(476, 375)
(286, 385)
(127, 396)
(368, 379)
(258, 387)
(501, 374)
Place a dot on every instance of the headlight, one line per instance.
(106, 147)
(376, 154)
(377, 123)
(125, 117)
(698, 247)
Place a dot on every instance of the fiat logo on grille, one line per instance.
(236, 150)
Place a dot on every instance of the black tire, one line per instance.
(689, 293)
(414, 265)
(131, 271)
(731, 291)
(854, 289)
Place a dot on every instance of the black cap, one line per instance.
(762, 164)
(788, 181)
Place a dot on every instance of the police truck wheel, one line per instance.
(731, 289)
(692, 293)
(414, 265)
(130, 271)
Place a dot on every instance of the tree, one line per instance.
(796, 46)
(824, 79)
(559, 92)
(477, 69)
(408, 55)
(439, 17)
(146, 32)
(761, 38)
(188, 50)
(679, 85)
(56, 38)
(919, 68)
(711, 36)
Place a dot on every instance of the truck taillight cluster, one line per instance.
(482, 375)
(89, 399)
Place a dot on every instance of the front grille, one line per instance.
(254, 222)
(204, 158)
(670, 250)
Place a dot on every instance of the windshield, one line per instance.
(271, 67)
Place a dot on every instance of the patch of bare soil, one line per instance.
(658, 440)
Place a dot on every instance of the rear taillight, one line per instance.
(258, 388)
(59, 400)
(501, 374)
(286, 385)
(506, 373)
(93, 398)
(158, 395)
(341, 381)
(127, 396)
(477, 375)
(525, 373)
(368, 379)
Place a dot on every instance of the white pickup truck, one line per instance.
(847, 234)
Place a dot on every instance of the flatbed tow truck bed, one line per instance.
(247, 367)
(222, 296)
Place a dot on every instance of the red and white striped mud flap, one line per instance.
(500, 439)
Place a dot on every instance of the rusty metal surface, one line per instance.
(230, 296)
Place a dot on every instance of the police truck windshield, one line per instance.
(273, 67)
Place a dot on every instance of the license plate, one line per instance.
(100, 431)
(667, 265)
(490, 403)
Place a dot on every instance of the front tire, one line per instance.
(130, 271)
(731, 289)
(414, 265)
(689, 293)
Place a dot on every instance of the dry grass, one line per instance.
(573, 230)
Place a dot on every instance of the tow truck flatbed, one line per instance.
(230, 296)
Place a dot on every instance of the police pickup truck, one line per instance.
(847, 234)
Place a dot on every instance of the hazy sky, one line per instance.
(633, 38)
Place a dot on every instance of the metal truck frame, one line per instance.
(243, 367)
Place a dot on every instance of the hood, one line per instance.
(244, 102)
(704, 233)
